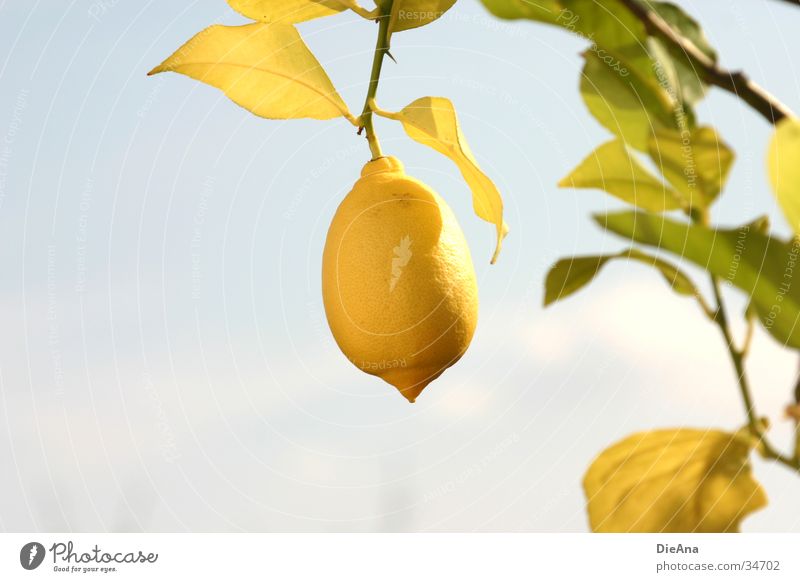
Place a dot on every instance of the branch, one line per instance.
(735, 82)
(381, 49)
(768, 451)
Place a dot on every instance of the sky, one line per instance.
(165, 363)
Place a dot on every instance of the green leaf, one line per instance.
(695, 162)
(287, 11)
(570, 275)
(783, 164)
(686, 78)
(265, 68)
(607, 23)
(542, 11)
(685, 26)
(432, 121)
(612, 168)
(763, 267)
(629, 102)
(760, 224)
(408, 14)
(619, 39)
(673, 481)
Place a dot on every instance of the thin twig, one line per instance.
(768, 451)
(735, 82)
(721, 319)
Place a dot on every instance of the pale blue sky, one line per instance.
(165, 362)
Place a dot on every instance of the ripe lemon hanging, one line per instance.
(397, 279)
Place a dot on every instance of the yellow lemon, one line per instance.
(397, 279)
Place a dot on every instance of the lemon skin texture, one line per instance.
(398, 283)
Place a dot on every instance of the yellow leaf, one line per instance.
(407, 14)
(432, 121)
(265, 68)
(677, 480)
(696, 162)
(288, 11)
(783, 164)
(611, 167)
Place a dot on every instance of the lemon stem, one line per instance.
(381, 49)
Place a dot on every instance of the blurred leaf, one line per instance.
(287, 11)
(690, 85)
(432, 121)
(619, 39)
(695, 162)
(543, 11)
(760, 224)
(761, 266)
(605, 22)
(629, 102)
(783, 163)
(675, 480)
(570, 275)
(408, 14)
(265, 68)
(685, 25)
(612, 168)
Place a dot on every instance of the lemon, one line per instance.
(397, 279)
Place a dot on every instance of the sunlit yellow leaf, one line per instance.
(407, 14)
(432, 121)
(696, 162)
(287, 11)
(265, 68)
(783, 164)
(678, 480)
(612, 167)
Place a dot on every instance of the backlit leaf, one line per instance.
(265, 68)
(687, 79)
(570, 275)
(685, 26)
(287, 11)
(678, 480)
(612, 168)
(783, 165)
(543, 11)
(763, 267)
(628, 100)
(617, 38)
(432, 121)
(408, 14)
(604, 22)
(695, 162)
